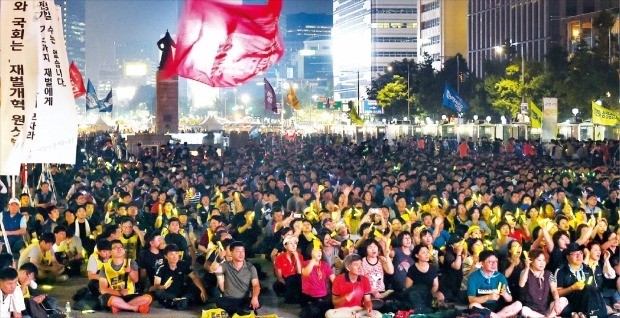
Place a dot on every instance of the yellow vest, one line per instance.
(46, 257)
(99, 263)
(131, 245)
(118, 279)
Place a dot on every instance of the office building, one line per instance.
(442, 29)
(532, 27)
(74, 25)
(367, 36)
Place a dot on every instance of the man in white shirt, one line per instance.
(41, 256)
(12, 299)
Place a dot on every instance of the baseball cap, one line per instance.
(15, 200)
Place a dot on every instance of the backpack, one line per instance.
(85, 300)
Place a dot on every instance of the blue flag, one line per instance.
(106, 104)
(452, 100)
(92, 101)
(254, 132)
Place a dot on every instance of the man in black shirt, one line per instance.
(150, 259)
(577, 283)
(172, 287)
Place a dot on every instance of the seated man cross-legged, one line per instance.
(488, 292)
(116, 282)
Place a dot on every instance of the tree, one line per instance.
(426, 89)
(393, 94)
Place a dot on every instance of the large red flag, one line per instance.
(223, 43)
(76, 81)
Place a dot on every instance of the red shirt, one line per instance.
(343, 286)
(315, 284)
(286, 266)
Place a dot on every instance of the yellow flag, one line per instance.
(535, 115)
(291, 99)
(604, 116)
(355, 117)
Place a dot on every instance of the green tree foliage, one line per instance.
(392, 92)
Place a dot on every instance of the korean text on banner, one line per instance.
(19, 64)
(453, 101)
(550, 119)
(270, 97)
(604, 116)
(53, 142)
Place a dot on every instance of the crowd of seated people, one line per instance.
(348, 228)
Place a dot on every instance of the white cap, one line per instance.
(15, 200)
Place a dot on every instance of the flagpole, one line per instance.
(282, 106)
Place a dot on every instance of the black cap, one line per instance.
(572, 247)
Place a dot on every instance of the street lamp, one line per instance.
(390, 69)
(245, 99)
(500, 49)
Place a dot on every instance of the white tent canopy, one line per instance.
(211, 124)
(99, 125)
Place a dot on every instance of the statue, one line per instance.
(165, 45)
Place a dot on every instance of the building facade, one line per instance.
(531, 26)
(525, 24)
(442, 29)
(367, 36)
(74, 25)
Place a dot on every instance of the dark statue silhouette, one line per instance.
(165, 45)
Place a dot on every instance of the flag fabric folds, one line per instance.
(223, 43)
(254, 132)
(536, 115)
(604, 116)
(77, 83)
(354, 116)
(291, 99)
(92, 101)
(270, 97)
(453, 101)
(106, 104)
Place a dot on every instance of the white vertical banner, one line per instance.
(550, 119)
(19, 34)
(53, 126)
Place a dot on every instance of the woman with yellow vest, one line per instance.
(116, 282)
